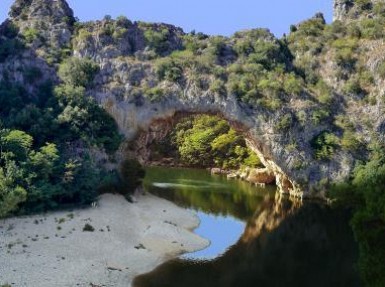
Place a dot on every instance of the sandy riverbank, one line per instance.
(129, 239)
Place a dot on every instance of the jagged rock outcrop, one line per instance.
(345, 10)
(47, 24)
(342, 8)
(139, 84)
(96, 41)
(263, 176)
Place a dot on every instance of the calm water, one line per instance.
(257, 237)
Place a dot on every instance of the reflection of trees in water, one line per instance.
(283, 245)
(238, 205)
(211, 194)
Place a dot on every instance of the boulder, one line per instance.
(216, 171)
(261, 176)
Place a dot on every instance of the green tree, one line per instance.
(367, 196)
(43, 162)
(78, 71)
(11, 193)
(131, 175)
(207, 141)
(16, 144)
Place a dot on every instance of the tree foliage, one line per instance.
(366, 194)
(78, 72)
(207, 141)
(46, 141)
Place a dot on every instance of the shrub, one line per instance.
(363, 4)
(325, 145)
(193, 43)
(16, 10)
(218, 86)
(9, 47)
(379, 9)
(324, 92)
(217, 45)
(284, 123)
(344, 52)
(78, 71)
(313, 27)
(86, 120)
(11, 193)
(123, 21)
(381, 70)
(372, 28)
(319, 115)
(131, 175)
(302, 117)
(83, 35)
(30, 35)
(119, 33)
(292, 85)
(154, 94)
(168, 69)
(353, 87)
(350, 142)
(88, 228)
(158, 40)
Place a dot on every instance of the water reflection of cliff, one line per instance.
(284, 244)
(198, 190)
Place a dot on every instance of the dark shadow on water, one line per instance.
(284, 244)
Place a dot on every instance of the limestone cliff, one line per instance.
(47, 24)
(345, 10)
(261, 84)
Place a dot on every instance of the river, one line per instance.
(258, 238)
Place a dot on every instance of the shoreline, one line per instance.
(129, 239)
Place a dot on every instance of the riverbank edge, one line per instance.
(106, 245)
(259, 176)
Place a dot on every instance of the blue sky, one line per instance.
(222, 17)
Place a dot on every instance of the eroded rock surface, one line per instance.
(135, 91)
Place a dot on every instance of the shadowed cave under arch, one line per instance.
(157, 129)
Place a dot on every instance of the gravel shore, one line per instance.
(107, 245)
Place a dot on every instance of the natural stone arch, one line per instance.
(160, 128)
(127, 65)
(281, 134)
(135, 118)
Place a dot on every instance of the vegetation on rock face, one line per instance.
(207, 141)
(78, 72)
(9, 44)
(365, 194)
(49, 139)
(52, 133)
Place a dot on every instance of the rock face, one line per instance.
(138, 94)
(262, 175)
(342, 8)
(128, 39)
(48, 24)
(345, 10)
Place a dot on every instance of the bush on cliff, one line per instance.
(366, 195)
(78, 72)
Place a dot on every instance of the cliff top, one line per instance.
(345, 10)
